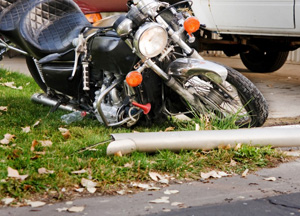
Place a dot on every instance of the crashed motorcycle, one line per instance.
(125, 68)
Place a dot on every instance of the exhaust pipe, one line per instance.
(125, 143)
(44, 99)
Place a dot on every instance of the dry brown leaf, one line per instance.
(80, 190)
(224, 146)
(65, 132)
(177, 204)
(46, 143)
(244, 174)
(238, 146)
(33, 145)
(158, 178)
(3, 108)
(26, 129)
(12, 173)
(170, 129)
(118, 154)
(45, 171)
(214, 174)
(76, 209)
(7, 139)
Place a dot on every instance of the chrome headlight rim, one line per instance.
(137, 42)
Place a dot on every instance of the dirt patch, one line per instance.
(282, 121)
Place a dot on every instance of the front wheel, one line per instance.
(264, 62)
(236, 96)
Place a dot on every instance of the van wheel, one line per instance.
(264, 62)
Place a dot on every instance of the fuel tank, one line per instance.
(110, 53)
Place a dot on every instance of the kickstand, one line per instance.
(59, 102)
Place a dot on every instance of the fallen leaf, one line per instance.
(158, 178)
(129, 165)
(33, 145)
(170, 129)
(223, 146)
(155, 176)
(36, 123)
(61, 209)
(46, 143)
(11, 85)
(76, 209)
(79, 171)
(7, 139)
(238, 146)
(91, 189)
(15, 174)
(88, 183)
(3, 108)
(36, 204)
(270, 179)
(80, 190)
(213, 174)
(232, 163)
(45, 171)
(7, 200)
(177, 204)
(65, 133)
(121, 192)
(26, 129)
(69, 203)
(169, 192)
(118, 154)
(145, 186)
(160, 200)
(245, 173)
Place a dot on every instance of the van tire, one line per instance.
(264, 62)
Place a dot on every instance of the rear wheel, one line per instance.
(236, 96)
(259, 61)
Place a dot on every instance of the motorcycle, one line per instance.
(128, 67)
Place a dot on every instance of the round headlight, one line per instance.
(150, 40)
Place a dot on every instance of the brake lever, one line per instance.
(80, 49)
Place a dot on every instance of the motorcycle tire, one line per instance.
(34, 73)
(237, 96)
(252, 99)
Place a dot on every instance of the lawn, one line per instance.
(38, 148)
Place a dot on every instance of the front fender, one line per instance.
(188, 67)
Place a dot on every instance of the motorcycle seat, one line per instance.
(50, 26)
(11, 12)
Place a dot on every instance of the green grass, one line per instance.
(109, 171)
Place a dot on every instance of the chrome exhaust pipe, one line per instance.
(45, 100)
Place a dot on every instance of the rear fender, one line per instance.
(189, 67)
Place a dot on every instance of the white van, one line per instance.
(261, 31)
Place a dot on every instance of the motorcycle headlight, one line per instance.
(150, 39)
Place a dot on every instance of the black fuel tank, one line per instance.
(112, 54)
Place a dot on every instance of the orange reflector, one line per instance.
(134, 78)
(191, 25)
(93, 17)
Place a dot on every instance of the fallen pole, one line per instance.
(286, 136)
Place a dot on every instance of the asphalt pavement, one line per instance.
(232, 195)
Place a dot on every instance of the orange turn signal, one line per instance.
(191, 25)
(134, 78)
(93, 17)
